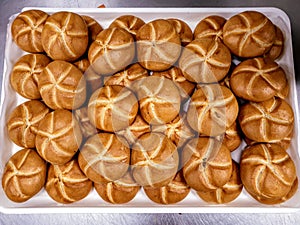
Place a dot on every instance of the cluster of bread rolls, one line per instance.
(152, 105)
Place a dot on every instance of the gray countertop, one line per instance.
(291, 7)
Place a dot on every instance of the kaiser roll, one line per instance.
(183, 29)
(94, 28)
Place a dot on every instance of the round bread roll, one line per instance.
(82, 64)
(119, 191)
(266, 121)
(112, 108)
(154, 160)
(135, 130)
(58, 137)
(183, 29)
(227, 193)
(213, 109)
(65, 36)
(94, 28)
(129, 23)
(126, 77)
(185, 87)
(210, 27)
(104, 158)
(113, 50)
(67, 183)
(173, 192)
(62, 85)
(249, 34)
(23, 77)
(205, 61)
(207, 164)
(177, 130)
(26, 30)
(86, 127)
(278, 45)
(159, 99)
(267, 171)
(24, 175)
(257, 79)
(22, 124)
(158, 45)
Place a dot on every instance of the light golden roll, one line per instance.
(67, 183)
(267, 171)
(23, 77)
(65, 36)
(58, 137)
(207, 164)
(266, 121)
(119, 191)
(205, 61)
(159, 99)
(257, 79)
(62, 85)
(112, 108)
(104, 158)
(213, 109)
(158, 45)
(24, 175)
(249, 34)
(210, 27)
(22, 124)
(26, 30)
(277, 48)
(129, 23)
(183, 29)
(227, 193)
(94, 28)
(173, 192)
(154, 160)
(113, 50)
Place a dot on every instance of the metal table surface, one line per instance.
(291, 7)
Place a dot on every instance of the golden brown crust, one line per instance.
(257, 79)
(249, 34)
(24, 175)
(23, 77)
(104, 158)
(205, 61)
(58, 137)
(207, 164)
(154, 160)
(278, 45)
(67, 183)
(27, 28)
(82, 64)
(158, 45)
(183, 29)
(94, 28)
(23, 122)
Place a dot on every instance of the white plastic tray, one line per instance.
(41, 203)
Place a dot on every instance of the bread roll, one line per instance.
(249, 34)
(210, 27)
(278, 45)
(67, 183)
(23, 122)
(104, 158)
(158, 45)
(113, 50)
(154, 160)
(24, 175)
(257, 79)
(94, 28)
(119, 191)
(267, 171)
(65, 36)
(62, 85)
(266, 121)
(23, 77)
(86, 127)
(205, 61)
(112, 108)
(58, 137)
(213, 109)
(207, 164)
(173, 192)
(183, 29)
(82, 64)
(26, 30)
